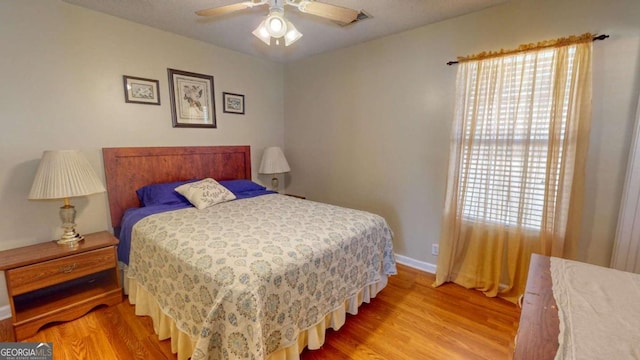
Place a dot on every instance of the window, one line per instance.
(518, 154)
(507, 163)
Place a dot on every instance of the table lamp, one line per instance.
(63, 174)
(274, 162)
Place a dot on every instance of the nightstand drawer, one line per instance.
(37, 276)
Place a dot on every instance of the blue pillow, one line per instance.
(162, 194)
(239, 186)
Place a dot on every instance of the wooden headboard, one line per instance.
(130, 168)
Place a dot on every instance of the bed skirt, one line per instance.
(313, 338)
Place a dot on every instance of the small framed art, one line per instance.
(233, 103)
(192, 102)
(141, 91)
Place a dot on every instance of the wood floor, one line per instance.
(409, 319)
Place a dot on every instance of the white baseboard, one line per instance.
(5, 312)
(416, 264)
(421, 265)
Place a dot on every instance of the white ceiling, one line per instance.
(233, 31)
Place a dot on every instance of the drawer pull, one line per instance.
(68, 268)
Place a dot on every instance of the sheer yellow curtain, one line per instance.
(516, 169)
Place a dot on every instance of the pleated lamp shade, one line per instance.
(273, 161)
(64, 174)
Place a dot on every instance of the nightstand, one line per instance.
(296, 196)
(48, 282)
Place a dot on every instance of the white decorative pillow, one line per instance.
(205, 193)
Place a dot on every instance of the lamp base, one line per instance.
(70, 236)
(275, 184)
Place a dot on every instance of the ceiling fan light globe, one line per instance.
(276, 24)
(261, 33)
(292, 34)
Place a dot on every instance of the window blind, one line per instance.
(506, 160)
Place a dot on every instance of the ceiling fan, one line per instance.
(276, 25)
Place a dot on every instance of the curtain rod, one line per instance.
(599, 37)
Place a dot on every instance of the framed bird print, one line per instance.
(192, 100)
(141, 91)
(233, 103)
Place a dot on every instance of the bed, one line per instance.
(253, 278)
(574, 310)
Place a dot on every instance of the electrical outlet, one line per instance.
(435, 249)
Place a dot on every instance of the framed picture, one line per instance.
(192, 102)
(141, 91)
(233, 103)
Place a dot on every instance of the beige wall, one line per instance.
(368, 126)
(61, 71)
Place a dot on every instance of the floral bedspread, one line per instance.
(245, 277)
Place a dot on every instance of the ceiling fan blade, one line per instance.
(221, 10)
(333, 12)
